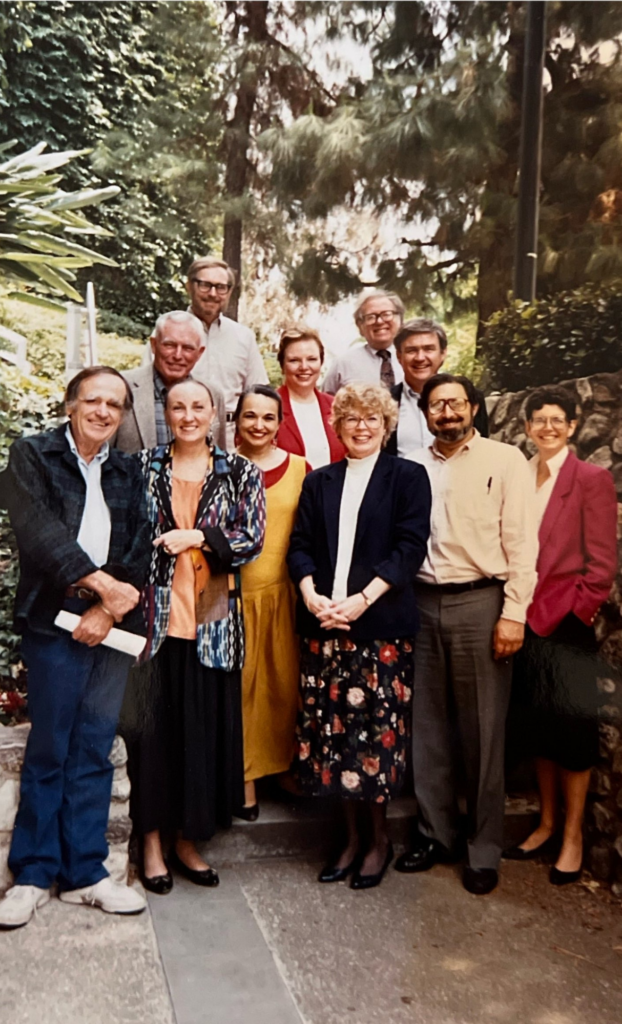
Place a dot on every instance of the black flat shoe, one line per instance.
(425, 854)
(371, 881)
(557, 877)
(248, 813)
(517, 853)
(480, 881)
(330, 873)
(208, 877)
(159, 884)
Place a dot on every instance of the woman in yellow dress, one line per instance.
(271, 666)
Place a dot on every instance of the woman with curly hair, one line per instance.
(359, 539)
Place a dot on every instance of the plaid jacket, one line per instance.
(232, 516)
(45, 492)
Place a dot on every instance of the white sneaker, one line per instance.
(109, 896)
(20, 903)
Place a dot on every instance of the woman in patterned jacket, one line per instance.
(183, 712)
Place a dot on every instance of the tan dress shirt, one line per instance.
(483, 520)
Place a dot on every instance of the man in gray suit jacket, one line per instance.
(177, 344)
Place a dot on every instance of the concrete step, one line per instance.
(311, 828)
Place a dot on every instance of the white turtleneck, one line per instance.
(355, 484)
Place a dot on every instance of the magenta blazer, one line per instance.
(578, 549)
(290, 439)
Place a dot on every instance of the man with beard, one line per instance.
(473, 591)
(421, 348)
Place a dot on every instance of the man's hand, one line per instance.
(507, 638)
(118, 598)
(94, 626)
(176, 541)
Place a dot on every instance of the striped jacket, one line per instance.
(232, 516)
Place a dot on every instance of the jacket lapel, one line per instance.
(561, 490)
(144, 408)
(373, 495)
(292, 424)
(331, 496)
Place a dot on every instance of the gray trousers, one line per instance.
(460, 703)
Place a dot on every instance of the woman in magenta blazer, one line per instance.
(306, 428)
(555, 690)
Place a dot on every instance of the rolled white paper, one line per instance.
(118, 639)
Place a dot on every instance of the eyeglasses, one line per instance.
(372, 421)
(209, 286)
(384, 317)
(556, 421)
(455, 404)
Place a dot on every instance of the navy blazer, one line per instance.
(480, 422)
(390, 542)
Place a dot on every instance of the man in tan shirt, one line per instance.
(473, 592)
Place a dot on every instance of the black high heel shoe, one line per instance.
(549, 846)
(248, 813)
(371, 881)
(208, 877)
(161, 885)
(330, 873)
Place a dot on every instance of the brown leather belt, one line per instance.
(82, 592)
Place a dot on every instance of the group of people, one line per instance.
(328, 580)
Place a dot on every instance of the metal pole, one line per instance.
(526, 262)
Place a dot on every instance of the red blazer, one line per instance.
(290, 438)
(578, 549)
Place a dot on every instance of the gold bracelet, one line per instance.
(366, 599)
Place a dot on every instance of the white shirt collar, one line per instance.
(465, 447)
(101, 456)
(554, 464)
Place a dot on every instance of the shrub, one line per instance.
(572, 334)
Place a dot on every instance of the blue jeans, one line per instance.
(74, 698)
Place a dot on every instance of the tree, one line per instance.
(431, 138)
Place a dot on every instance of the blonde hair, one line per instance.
(297, 332)
(365, 398)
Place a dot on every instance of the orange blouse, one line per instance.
(183, 622)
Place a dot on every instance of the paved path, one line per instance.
(271, 946)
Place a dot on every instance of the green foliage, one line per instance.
(39, 223)
(431, 139)
(573, 334)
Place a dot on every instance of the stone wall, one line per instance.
(598, 440)
(12, 746)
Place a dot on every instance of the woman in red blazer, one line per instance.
(556, 695)
(306, 428)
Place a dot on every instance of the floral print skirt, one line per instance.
(353, 728)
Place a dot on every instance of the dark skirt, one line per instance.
(353, 728)
(554, 711)
(182, 724)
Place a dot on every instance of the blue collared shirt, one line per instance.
(94, 533)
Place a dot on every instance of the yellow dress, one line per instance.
(271, 667)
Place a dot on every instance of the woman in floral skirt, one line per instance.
(359, 539)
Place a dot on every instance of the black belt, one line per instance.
(461, 588)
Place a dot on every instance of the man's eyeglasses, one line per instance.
(556, 421)
(210, 286)
(384, 317)
(455, 404)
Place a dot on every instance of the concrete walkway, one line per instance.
(272, 946)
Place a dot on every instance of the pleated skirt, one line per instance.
(182, 724)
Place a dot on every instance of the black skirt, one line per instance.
(182, 724)
(554, 711)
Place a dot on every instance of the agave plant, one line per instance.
(40, 228)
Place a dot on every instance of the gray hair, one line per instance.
(180, 316)
(420, 325)
(378, 293)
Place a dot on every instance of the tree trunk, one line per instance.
(496, 258)
(253, 18)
